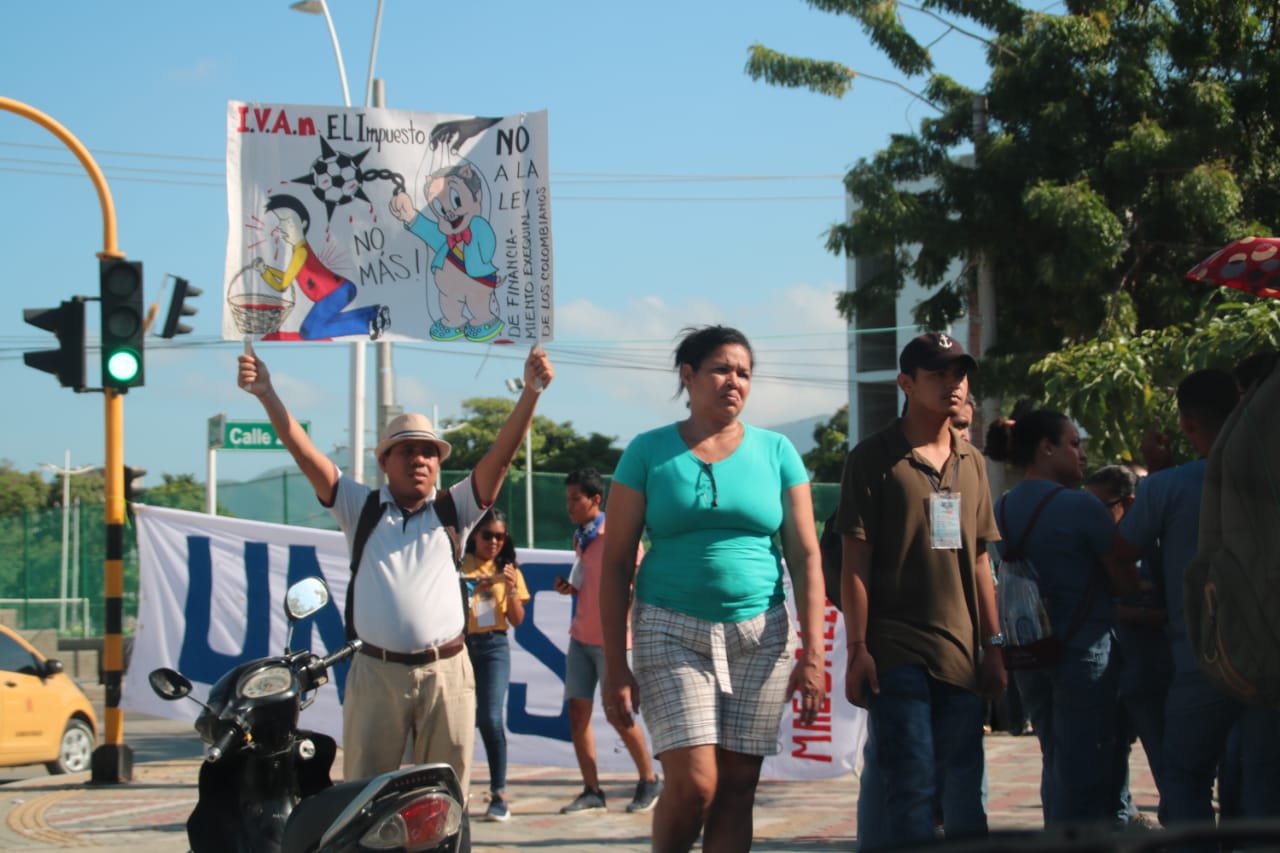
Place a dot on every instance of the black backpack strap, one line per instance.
(369, 516)
(447, 512)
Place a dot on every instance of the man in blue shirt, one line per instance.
(1198, 717)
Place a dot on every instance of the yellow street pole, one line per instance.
(113, 760)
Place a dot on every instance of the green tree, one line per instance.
(19, 491)
(1120, 384)
(1114, 146)
(556, 446)
(87, 488)
(179, 491)
(826, 459)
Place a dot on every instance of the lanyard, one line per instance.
(937, 487)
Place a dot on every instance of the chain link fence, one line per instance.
(31, 573)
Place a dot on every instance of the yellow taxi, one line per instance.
(45, 718)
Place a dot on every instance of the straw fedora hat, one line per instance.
(411, 427)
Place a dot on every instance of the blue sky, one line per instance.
(682, 191)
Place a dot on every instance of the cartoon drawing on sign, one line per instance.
(330, 292)
(454, 224)
(390, 225)
(335, 177)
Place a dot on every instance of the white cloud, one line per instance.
(201, 70)
(795, 330)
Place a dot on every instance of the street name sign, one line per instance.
(246, 435)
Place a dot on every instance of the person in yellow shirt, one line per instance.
(496, 595)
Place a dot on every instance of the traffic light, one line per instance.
(179, 309)
(67, 322)
(123, 322)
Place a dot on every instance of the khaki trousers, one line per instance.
(431, 706)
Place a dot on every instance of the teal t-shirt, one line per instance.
(711, 527)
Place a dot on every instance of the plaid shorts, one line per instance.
(722, 683)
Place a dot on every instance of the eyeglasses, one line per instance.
(711, 477)
(492, 536)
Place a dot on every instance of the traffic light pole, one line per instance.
(113, 760)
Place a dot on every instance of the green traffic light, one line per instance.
(123, 365)
(120, 292)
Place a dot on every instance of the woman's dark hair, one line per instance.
(1119, 481)
(999, 439)
(1016, 441)
(507, 554)
(700, 341)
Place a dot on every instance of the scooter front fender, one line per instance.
(245, 799)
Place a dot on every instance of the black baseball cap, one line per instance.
(933, 351)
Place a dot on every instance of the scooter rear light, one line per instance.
(419, 824)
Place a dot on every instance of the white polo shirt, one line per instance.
(407, 595)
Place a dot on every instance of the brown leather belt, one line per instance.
(441, 652)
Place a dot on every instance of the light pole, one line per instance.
(66, 472)
(515, 386)
(320, 7)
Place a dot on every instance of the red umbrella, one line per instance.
(1251, 264)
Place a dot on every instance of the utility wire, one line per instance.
(150, 174)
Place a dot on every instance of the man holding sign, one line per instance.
(410, 682)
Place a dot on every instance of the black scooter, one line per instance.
(264, 785)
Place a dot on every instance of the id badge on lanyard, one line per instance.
(944, 520)
(486, 612)
(944, 513)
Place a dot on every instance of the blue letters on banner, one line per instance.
(537, 577)
(197, 659)
(201, 663)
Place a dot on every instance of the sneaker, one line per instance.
(587, 801)
(498, 810)
(646, 797)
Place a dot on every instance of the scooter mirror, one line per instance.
(306, 597)
(169, 683)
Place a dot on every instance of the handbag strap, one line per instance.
(1016, 551)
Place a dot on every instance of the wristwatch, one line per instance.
(995, 640)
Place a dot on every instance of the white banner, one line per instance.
(347, 223)
(211, 596)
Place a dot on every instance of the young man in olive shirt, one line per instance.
(919, 600)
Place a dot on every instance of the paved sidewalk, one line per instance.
(148, 815)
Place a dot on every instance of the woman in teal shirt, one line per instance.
(711, 641)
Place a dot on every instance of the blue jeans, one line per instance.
(926, 732)
(871, 814)
(1119, 796)
(1072, 707)
(491, 659)
(1146, 670)
(1198, 719)
(1146, 712)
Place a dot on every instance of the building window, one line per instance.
(877, 407)
(876, 339)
